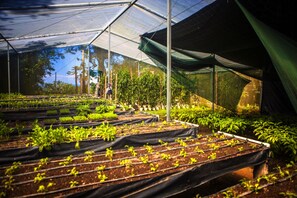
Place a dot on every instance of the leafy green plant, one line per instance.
(181, 142)
(19, 127)
(78, 134)
(109, 153)
(42, 162)
(83, 110)
(214, 146)
(102, 109)
(64, 111)
(198, 150)
(50, 121)
(154, 167)
(73, 183)
(149, 149)
(45, 138)
(176, 164)
(66, 119)
(230, 194)
(192, 160)
(80, 118)
(240, 149)
(52, 112)
(183, 153)
(232, 142)
(73, 171)
(39, 177)
(101, 176)
(89, 156)
(165, 156)
(95, 116)
(8, 183)
(5, 131)
(126, 162)
(109, 116)
(282, 172)
(288, 194)
(14, 167)
(105, 131)
(131, 150)
(268, 178)
(144, 159)
(212, 156)
(66, 161)
(101, 168)
(42, 188)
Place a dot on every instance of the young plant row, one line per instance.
(81, 118)
(56, 102)
(261, 186)
(91, 170)
(46, 138)
(280, 132)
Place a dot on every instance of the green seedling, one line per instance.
(39, 177)
(66, 161)
(73, 172)
(14, 167)
(109, 153)
(89, 157)
(73, 183)
(165, 156)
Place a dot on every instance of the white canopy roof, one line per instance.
(37, 24)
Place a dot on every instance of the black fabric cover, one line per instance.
(65, 149)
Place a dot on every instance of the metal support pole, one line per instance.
(8, 68)
(108, 77)
(19, 84)
(88, 62)
(213, 87)
(168, 59)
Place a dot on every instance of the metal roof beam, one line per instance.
(8, 43)
(114, 20)
(49, 35)
(153, 12)
(124, 37)
(54, 6)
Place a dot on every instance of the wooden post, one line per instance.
(75, 75)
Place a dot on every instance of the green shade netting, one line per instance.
(224, 88)
(282, 51)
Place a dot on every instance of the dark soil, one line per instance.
(116, 171)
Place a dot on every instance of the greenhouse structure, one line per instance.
(167, 98)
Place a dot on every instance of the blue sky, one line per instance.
(62, 66)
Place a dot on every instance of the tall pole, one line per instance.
(8, 68)
(55, 80)
(75, 73)
(88, 62)
(168, 59)
(19, 82)
(108, 77)
(213, 87)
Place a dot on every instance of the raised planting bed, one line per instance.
(149, 171)
(25, 127)
(282, 182)
(64, 142)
